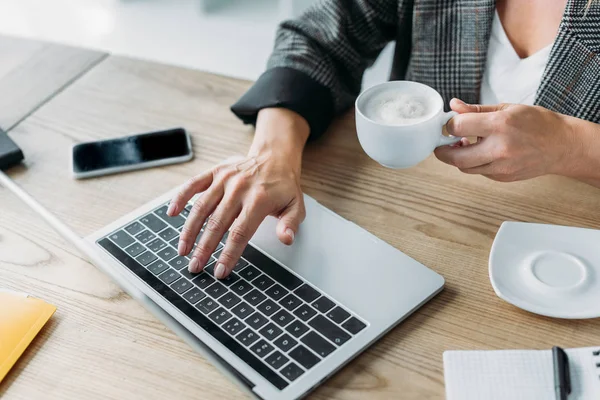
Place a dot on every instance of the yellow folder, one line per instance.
(21, 318)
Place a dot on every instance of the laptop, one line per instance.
(288, 317)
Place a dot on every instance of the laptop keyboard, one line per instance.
(276, 322)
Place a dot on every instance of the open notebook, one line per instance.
(518, 374)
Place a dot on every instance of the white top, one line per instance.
(507, 77)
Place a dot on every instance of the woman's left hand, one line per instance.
(515, 142)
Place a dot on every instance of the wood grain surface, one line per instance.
(103, 345)
(31, 72)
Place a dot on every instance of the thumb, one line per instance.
(461, 107)
(289, 221)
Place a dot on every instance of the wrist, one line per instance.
(280, 133)
(582, 159)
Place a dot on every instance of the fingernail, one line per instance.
(461, 102)
(171, 209)
(290, 233)
(182, 248)
(193, 267)
(220, 271)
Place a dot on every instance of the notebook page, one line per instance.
(499, 375)
(585, 375)
(517, 374)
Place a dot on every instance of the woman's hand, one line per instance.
(515, 142)
(241, 192)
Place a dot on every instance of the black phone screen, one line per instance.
(130, 150)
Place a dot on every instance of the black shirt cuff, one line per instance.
(291, 89)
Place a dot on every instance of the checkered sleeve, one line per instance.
(318, 61)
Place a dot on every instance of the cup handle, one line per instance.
(446, 140)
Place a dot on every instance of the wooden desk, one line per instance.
(102, 344)
(31, 72)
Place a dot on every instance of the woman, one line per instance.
(541, 53)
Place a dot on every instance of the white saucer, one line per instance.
(547, 269)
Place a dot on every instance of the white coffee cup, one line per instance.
(403, 145)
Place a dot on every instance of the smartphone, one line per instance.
(131, 153)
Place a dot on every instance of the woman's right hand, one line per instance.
(239, 193)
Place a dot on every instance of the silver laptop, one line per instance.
(287, 318)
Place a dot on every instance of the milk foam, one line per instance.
(393, 108)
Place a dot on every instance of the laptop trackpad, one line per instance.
(354, 267)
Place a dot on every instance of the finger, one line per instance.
(195, 185)
(240, 234)
(461, 107)
(466, 157)
(289, 221)
(472, 124)
(202, 208)
(216, 226)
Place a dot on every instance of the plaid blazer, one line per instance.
(318, 61)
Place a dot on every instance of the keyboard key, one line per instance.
(156, 245)
(241, 287)
(146, 258)
(304, 357)
(218, 252)
(234, 326)
(242, 310)
(353, 325)
(145, 236)
(122, 239)
(249, 273)
(305, 312)
(291, 372)
(290, 302)
(176, 221)
(262, 348)
(255, 297)
(152, 222)
(175, 242)
(268, 307)
(282, 318)
(307, 293)
(224, 238)
(230, 280)
(169, 276)
(167, 253)
(229, 300)
(168, 234)
(157, 267)
(207, 305)
(241, 264)
(182, 286)
(194, 295)
(338, 315)
(203, 280)
(186, 272)
(247, 337)
(134, 229)
(271, 331)
(276, 292)
(328, 329)
(285, 342)
(317, 344)
(220, 315)
(323, 304)
(135, 249)
(276, 360)
(297, 328)
(179, 262)
(216, 290)
(256, 321)
(210, 266)
(263, 282)
(186, 211)
(281, 275)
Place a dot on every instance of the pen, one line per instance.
(562, 376)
